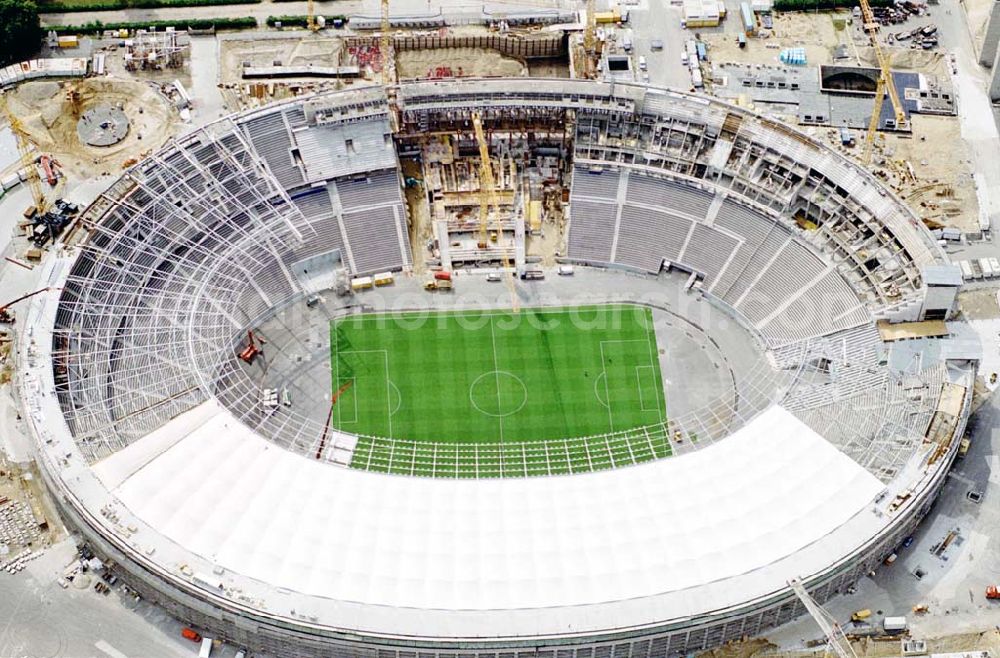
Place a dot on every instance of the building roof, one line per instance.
(942, 275)
(622, 547)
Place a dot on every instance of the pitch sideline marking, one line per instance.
(660, 394)
(496, 369)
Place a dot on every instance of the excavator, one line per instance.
(252, 349)
(7, 315)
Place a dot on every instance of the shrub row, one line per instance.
(107, 5)
(244, 23)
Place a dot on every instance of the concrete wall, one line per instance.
(989, 52)
(510, 45)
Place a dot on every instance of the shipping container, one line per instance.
(361, 283)
(383, 279)
(966, 270)
(894, 624)
(443, 276)
(746, 15)
(206, 648)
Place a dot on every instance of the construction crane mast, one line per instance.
(385, 48)
(487, 198)
(885, 86)
(311, 16)
(835, 638)
(24, 148)
(590, 29)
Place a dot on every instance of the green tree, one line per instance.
(20, 32)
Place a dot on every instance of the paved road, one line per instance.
(263, 10)
(38, 618)
(953, 587)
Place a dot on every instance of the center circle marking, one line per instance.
(489, 387)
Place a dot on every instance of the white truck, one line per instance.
(894, 624)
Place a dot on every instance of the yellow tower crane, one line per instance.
(487, 198)
(885, 86)
(385, 46)
(590, 40)
(24, 148)
(311, 16)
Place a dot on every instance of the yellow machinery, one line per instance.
(487, 198)
(885, 86)
(24, 147)
(590, 40)
(385, 47)
(311, 16)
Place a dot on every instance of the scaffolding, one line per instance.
(154, 51)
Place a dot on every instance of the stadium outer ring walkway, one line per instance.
(496, 618)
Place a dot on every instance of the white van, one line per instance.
(565, 270)
(642, 62)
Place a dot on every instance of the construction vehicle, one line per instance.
(7, 316)
(885, 86)
(252, 350)
(487, 198)
(50, 167)
(438, 284)
(993, 593)
(835, 637)
(24, 148)
(920, 609)
(861, 615)
(189, 634)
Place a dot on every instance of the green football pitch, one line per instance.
(456, 380)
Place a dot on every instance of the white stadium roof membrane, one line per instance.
(658, 531)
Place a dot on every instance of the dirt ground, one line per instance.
(421, 229)
(978, 14)
(23, 484)
(940, 188)
(979, 304)
(819, 34)
(463, 61)
(50, 119)
(300, 49)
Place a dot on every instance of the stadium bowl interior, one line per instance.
(798, 441)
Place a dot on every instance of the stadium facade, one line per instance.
(151, 433)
